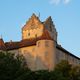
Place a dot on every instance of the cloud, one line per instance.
(56, 2)
(66, 1)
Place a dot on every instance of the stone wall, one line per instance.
(61, 55)
(41, 56)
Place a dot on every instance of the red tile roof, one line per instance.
(2, 45)
(12, 45)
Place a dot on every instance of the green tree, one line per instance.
(62, 70)
(75, 73)
(11, 68)
(42, 75)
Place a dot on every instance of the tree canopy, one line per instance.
(13, 68)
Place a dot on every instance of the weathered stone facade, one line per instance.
(39, 45)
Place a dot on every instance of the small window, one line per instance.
(36, 35)
(28, 34)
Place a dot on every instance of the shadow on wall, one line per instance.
(35, 63)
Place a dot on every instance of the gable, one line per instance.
(32, 23)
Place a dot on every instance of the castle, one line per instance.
(39, 45)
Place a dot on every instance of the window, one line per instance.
(28, 34)
(36, 35)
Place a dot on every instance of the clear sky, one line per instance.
(65, 15)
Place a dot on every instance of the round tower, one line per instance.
(45, 50)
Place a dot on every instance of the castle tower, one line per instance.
(45, 55)
(39, 46)
(49, 25)
(45, 36)
(33, 28)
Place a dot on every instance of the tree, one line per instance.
(11, 67)
(63, 69)
(75, 73)
(42, 75)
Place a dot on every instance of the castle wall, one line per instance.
(61, 55)
(29, 54)
(40, 56)
(44, 55)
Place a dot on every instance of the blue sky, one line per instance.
(65, 15)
